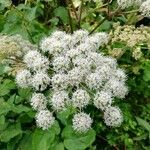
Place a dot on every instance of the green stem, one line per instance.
(100, 23)
(132, 11)
(74, 9)
(80, 15)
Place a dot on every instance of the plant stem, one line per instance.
(101, 22)
(70, 21)
(69, 14)
(74, 9)
(132, 11)
(80, 14)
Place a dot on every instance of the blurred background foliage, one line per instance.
(34, 19)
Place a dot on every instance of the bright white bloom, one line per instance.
(58, 35)
(59, 99)
(128, 3)
(72, 53)
(75, 63)
(44, 119)
(82, 63)
(94, 81)
(40, 81)
(120, 75)
(79, 36)
(38, 101)
(80, 98)
(111, 62)
(23, 78)
(61, 63)
(75, 76)
(59, 81)
(34, 60)
(145, 8)
(103, 100)
(117, 88)
(102, 37)
(81, 122)
(113, 117)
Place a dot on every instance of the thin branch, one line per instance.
(74, 10)
(80, 14)
(100, 23)
(70, 20)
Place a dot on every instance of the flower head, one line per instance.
(44, 119)
(23, 78)
(113, 117)
(81, 122)
(38, 101)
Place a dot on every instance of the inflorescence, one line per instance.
(77, 74)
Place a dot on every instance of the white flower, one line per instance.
(103, 100)
(61, 63)
(46, 43)
(86, 47)
(96, 59)
(113, 117)
(81, 122)
(75, 76)
(38, 101)
(145, 8)
(40, 81)
(34, 60)
(23, 78)
(58, 35)
(94, 80)
(59, 81)
(117, 88)
(79, 36)
(120, 75)
(82, 63)
(52, 45)
(111, 62)
(59, 99)
(102, 37)
(72, 53)
(105, 72)
(128, 3)
(44, 119)
(80, 98)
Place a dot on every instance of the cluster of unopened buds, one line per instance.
(78, 75)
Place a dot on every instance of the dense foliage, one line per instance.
(129, 44)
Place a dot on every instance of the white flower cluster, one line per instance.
(145, 8)
(144, 5)
(78, 71)
(128, 3)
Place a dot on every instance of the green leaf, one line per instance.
(4, 4)
(74, 141)
(10, 132)
(41, 140)
(62, 13)
(64, 115)
(26, 142)
(20, 108)
(6, 86)
(25, 93)
(143, 123)
(4, 107)
(57, 146)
